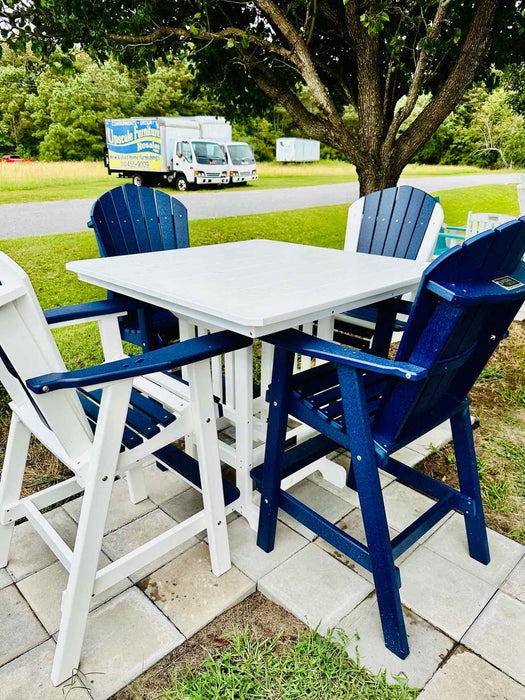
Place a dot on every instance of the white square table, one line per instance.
(254, 288)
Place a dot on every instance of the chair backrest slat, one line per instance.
(460, 314)
(131, 219)
(134, 207)
(383, 220)
(394, 222)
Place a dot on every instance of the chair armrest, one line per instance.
(176, 355)
(90, 309)
(305, 344)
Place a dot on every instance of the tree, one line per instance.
(374, 57)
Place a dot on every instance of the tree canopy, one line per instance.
(324, 61)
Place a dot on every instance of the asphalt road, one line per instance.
(43, 218)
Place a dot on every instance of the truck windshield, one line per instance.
(208, 153)
(241, 154)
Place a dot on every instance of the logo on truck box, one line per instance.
(133, 144)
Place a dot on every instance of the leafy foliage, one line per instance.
(317, 59)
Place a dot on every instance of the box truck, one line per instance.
(291, 150)
(179, 151)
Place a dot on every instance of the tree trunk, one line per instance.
(375, 175)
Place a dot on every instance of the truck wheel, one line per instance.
(181, 184)
(138, 180)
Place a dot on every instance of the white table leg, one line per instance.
(244, 434)
(203, 411)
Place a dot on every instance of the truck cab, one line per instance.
(199, 162)
(242, 167)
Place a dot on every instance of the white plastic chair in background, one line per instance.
(485, 221)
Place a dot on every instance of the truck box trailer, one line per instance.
(292, 150)
(179, 151)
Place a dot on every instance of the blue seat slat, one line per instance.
(368, 222)
(139, 421)
(384, 216)
(177, 460)
(397, 220)
(130, 439)
(410, 223)
(369, 313)
(151, 408)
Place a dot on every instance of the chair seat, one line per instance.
(319, 391)
(163, 323)
(369, 314)
(145, 419)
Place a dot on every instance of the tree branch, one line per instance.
(313, 125)
(300, 50)
(474, 50)
(164, 32)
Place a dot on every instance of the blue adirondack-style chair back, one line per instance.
(459, 317)
(131, 219)
(395, 221)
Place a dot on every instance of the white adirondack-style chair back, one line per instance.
(28, 349)
(401, 222)
(485, 221)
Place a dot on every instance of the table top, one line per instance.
(253, 287)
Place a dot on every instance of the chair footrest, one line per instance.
(188, 467)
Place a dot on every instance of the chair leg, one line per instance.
(366, 474)
(275, 441)
(11, 481)
(469, 485)
(136, 480)
(350, 477)
(77, 597)
(205, 433)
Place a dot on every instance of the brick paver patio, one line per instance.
(466, 622)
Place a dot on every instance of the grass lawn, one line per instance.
(307, 667)
(37, 182)
(498, 199)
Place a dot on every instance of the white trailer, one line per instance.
(292, 150)
(168, 150)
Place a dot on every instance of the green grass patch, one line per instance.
(309, 667)
(497, 199)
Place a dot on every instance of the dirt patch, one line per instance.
(498, 402)
(264, 618)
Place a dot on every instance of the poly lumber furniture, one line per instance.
(254, 288)
(131, 219)
(478, 223)
(103, 422)
(373, 406)
(401, 222)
